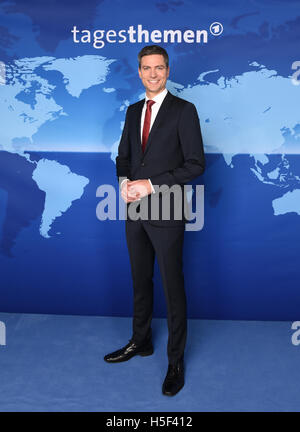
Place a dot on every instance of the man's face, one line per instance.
(153, 73)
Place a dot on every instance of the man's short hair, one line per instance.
(153, 49)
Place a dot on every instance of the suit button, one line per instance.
(143, 164)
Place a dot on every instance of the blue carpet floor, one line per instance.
(55, 363)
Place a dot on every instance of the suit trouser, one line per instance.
(144, 241)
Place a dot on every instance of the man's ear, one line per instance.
(140, 73)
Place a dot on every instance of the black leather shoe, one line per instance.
(174, 380)
(130, 350)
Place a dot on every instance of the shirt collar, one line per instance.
(158, 98)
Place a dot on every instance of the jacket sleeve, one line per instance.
(190, 139)
(124, 156)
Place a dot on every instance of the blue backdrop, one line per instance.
(63, 100)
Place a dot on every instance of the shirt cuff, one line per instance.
(126, 179)
(152, 188)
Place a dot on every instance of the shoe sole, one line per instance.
(172, 394)
(142, 354)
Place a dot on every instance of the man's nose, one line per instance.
(153, 73)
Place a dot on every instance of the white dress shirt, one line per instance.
(158, 99)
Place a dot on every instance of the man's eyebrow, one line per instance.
(146, 66)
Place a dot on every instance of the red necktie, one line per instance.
(147, 122)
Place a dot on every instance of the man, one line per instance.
(160, 148)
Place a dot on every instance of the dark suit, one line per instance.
(173, 156)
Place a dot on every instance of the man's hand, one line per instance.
(141, 188)
(128, 196)
(135, 190)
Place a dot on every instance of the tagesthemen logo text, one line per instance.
(139, 35)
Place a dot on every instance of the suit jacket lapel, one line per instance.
(138, 123)
(161, 115)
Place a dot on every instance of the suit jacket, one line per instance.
(173, 156)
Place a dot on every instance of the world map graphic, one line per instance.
(62, 111)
